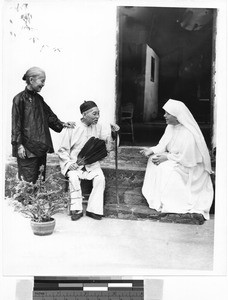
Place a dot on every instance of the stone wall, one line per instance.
(123, 197)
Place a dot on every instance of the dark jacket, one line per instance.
(31, 119)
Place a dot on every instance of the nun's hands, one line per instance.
(69, 124)
(146, 152)
(159, 158)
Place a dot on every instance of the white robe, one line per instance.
(73, 141)
(181, 184)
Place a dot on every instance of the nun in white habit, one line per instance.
(177, 178)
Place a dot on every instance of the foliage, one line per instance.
(41, 200)
(21, 21)
(11, 180)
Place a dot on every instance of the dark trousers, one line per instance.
(28, 168)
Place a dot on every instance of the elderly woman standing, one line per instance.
(31, 119)
(177, 178)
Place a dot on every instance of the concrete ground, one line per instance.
(106, 247)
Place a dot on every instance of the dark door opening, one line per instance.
(164, 53)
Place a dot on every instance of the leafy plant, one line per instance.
(41, 200)
(21, 20)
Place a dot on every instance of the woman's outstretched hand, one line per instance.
(146, 152)
(69, 124)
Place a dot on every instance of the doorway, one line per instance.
(164, 53)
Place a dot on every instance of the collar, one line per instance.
(86, 124)
(31, 93)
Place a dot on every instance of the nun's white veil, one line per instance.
(184, 116)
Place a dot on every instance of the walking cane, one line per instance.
(116, 169)
(115, 137)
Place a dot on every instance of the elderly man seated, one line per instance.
(73, 141)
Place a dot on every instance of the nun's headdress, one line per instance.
(184, 116)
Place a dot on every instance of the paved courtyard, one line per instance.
(106, 247)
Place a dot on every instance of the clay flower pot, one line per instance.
(43, 228)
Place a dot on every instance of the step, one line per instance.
(128, 158)
(137, 212)
(123, 196)
(129, 175)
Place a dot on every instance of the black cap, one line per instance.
(87, 105)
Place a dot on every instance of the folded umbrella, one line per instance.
(93, 150)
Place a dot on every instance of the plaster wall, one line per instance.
(75, 43)
(82, 67)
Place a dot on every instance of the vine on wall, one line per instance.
(21, 20)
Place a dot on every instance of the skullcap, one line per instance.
(87, 105)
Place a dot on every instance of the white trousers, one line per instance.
(96, 198)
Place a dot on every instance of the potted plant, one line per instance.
(40, 201)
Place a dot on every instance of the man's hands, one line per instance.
(73, 167)
(114, 127)
(114, 134)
